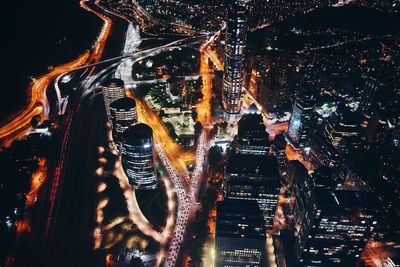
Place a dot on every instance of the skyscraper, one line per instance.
(322, 152)
(123, 116)
(368, 96)
(345, 124)
(137, 156)
(301, 121)
(252, 136)
(234, 56)
(336, 227)
(113, 89)
(278, 148)
(254, 177)
(239, 234)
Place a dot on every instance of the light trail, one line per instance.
(38, 104)
(203, 108)
(213, 55)
(184, 206)
(176, 155)
(135, 215)
(202, 148)
(38, 178)
(87, 58)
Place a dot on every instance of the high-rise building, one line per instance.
(123, 116)
(337, 227)
(301, 121)
(235, 43)
(302, 189)
(370, 88)
(322, 152)
(295, 171)
(254, 177)
(252, 135)
(113, 89)
(279, 150)
(344, 124)
(138, 156)
(239, 234)
(324, 177)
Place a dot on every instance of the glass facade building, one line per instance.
(123, 115)
(112, 89)
(138, 156)
(301, 121)
(234, 56)
(239, 235)
(370, 88)
(254, 177)
(336, 227)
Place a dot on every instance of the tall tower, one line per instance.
(366, 103)
(138, 156)
(239, 234)
(113, 89)
(300, 123)
(123, 116)
(333, 226)
(234, 56)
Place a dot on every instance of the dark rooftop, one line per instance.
(251, 130)
(239, 219)
(260, 165)
(137, 132)
(280, 142)
(124, 103)
(347, 199)
(113, 82)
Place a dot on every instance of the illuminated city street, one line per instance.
(200, 134)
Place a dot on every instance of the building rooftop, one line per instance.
(124, 103)
(280, 141)
(113, 82)
(251, 129)
(259, 165)
(347, 199)
(239, 219)
(137, 132)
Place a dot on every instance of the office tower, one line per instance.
(368, 96)
(324, 177)
(279, 150)
(234, 56)
(252, 136)
(137, 156)
(295, 171)
(302, 188)
(123, 116)
(301, 121)
(322, 152)
(113, 89)
(343, 125)
(254, 177)
(239, 234)
(337, 227)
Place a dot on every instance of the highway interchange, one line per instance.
(62, 233)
